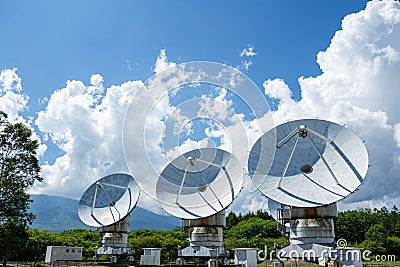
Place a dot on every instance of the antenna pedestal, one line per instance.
(114, 238)
(311, 229)
(312, 225)
(206, 236)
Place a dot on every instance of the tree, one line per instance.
(87, 239)
(37, 243)
(375, 239)
(231, 220)
(168, 240)
(393, 245)
(352, 225)
(13, 239)
(254, 227)
(19, 169)
(254, 232)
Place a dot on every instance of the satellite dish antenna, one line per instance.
(107, 204)
(199, 183)
(198, 186)
(108, 200)
(316, 163)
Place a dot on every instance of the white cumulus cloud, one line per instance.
(12, 100)
(358, 88)
(162, 62)
(87, 128)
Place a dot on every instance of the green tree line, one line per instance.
(376, 230)
(249, 230)
(252, 230)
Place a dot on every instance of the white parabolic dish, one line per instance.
(108, 200)
(199, 183)
(316, 163)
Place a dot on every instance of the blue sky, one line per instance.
(335, 60)
(51, 42)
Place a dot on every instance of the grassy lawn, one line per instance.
(288, 264)
(382, 263)
(373, 263)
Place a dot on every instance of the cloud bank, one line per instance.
(85, 125)
(358, 87)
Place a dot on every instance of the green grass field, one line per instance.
(365, 263)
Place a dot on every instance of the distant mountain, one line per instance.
(57, 214)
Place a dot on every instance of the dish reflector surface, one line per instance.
(273, 208)
(108, 200)
(199, 183)
(316, 163)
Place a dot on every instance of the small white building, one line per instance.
(349, 257)
(245, 256)
(151, 256)
(63, 253)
